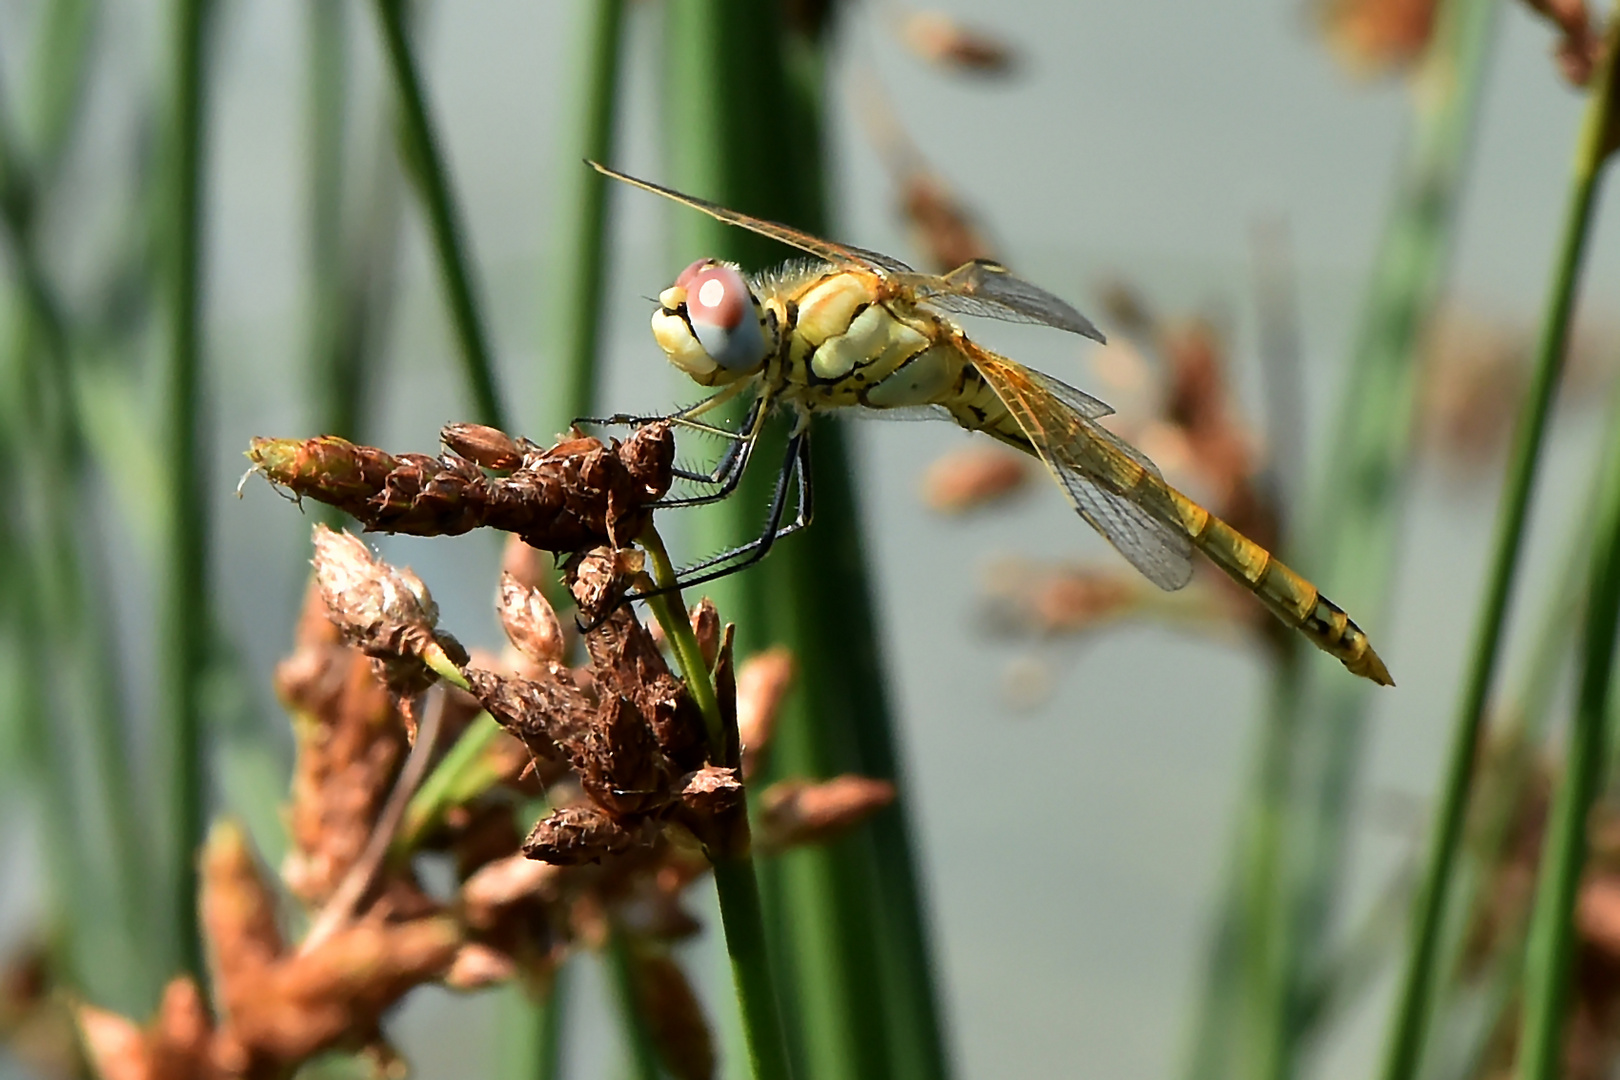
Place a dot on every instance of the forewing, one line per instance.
(826, 250)
(990, 289)
(1095, 467)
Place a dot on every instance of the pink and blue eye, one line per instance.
(723, 314)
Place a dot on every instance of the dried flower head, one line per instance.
(974, 476)
(1376, 37)
(797, 812)
(946, 42)
(571, 496)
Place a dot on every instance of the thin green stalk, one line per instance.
(48, 452)
(531, 1030)
(1413, 1005)
(428, 171)
(1551, 942)
(621, 963)
(734, 880)
(1347, 543)
(62, 58)
(576, 291)
(334, 387)
(581, 260)
(849, 932)
(463, 773)
(185, 599)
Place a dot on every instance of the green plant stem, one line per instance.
(579, 264)
(1346, 542)
(531, 1030)
(621, 962)
(460, 776)
(333, 386)
(1552, 933)
(431, 177)
(1413, 1005)
(1551, 942)
(186, 604)
(734, 879)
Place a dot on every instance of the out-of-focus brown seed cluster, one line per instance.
(1374, 37)
(1510, 815)
(1377, 37)
(574, 495)
(1579, 48)
(950, 44)
(638, 797)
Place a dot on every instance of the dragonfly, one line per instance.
(848, 328)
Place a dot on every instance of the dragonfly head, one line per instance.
(710, 324)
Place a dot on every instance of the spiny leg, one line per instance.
(795, 471)
(728, 472)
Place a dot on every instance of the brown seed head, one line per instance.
(945, 42)
(529, 621)
(574, 835)
(115, 1046)
(1377, 37)
(570, 497)
(385, 612)
(1580, 46)
(762, 684)
(972, 477)
(478, 966)
(798, 812)
(705, 618)
(487, 446)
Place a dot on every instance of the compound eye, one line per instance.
(684, 282)
(723, 314)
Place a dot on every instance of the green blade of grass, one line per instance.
(735, 882)
(1292, 845)
(184, 610)
(1412, 1010)
(848, 929)
(1552, 932)
(579, 261)
(426, 166)
(532, 1029)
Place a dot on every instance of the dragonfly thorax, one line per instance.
(711, 325)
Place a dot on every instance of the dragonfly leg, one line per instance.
(795, 471)
(686, 417)
(728, 472)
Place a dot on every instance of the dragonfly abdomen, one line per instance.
(1285, 594)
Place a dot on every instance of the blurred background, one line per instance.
(1213, 177)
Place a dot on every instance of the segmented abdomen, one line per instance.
(1286, 594)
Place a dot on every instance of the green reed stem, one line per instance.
(1551, 941)
(185, 603)
(1413, 1008)
(621, 964)
(1347, 544)
(426, 166)
(71, 670)
(334, 382)
(849, 934)
(579, 267)
(1552, 933)
(734, 880)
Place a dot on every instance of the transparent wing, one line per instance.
(987, 288)
(837, 254)
(1099, 471)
